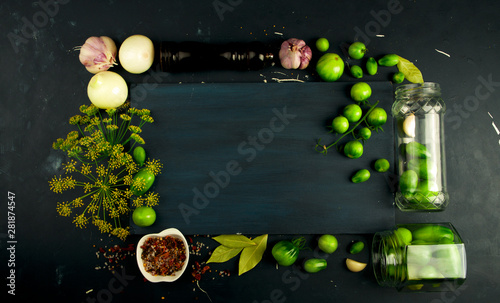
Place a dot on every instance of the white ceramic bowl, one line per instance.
(167, 232)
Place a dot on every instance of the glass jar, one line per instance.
(418, 113)
(419, 257)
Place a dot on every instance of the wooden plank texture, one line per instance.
(240, 158)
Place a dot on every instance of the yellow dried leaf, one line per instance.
(411, 72)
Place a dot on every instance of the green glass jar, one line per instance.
(418, 113)
(419, 257)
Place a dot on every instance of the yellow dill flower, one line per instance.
(95, 121)
(72, 136)
(125, 117)
(139, 183)
(127, 180)
(111, 111)
(107, 196)
(114, 163)
(138, 202)
(92, 154)
(80, 221)
(83, 108)
(101, 170)
(101, 185)
(102, 225)
(75, 120)
(57, 184)
(154, 166)
(117, 149)
(78, 202)
(147, 119)
(116, 194)
(114, 213)
(63, 209)
(127, 158)
(124, 106)
(137, 138)
(152, 199)
(70, 166)
(112, 127)
(95, 197)
(91, 110)
(135, 129)
(132, 167)
(93, 207)
(123, 209)
(86, 169)
(85, 120)
(69, 182)
(87, 187)
(86, 141)
(144, 112)
(89, 128)
(121, 233)
(58, 143)
(127, 193)
(75, 151)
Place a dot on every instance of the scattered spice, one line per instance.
(441, 52)
(196, 248)
(199, 269)
(114, 255)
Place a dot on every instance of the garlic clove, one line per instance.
(354, 266)
(98, 54)
(409, 125)
(295, 54)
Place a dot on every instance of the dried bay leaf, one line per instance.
(252, 255)
(234, 241)
(223, 253)
(411, 72)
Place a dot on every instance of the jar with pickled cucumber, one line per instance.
(419, 257)
(418, 113)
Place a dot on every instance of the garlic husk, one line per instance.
(295, 54)
(98, 54)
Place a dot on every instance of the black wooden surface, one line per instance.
(42, 84)
(240, 158)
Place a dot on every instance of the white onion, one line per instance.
(136, 54)
(107, 90)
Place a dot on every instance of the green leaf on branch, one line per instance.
(411, 72)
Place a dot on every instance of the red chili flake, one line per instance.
(205, 269)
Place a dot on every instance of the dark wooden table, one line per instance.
(43, 84)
